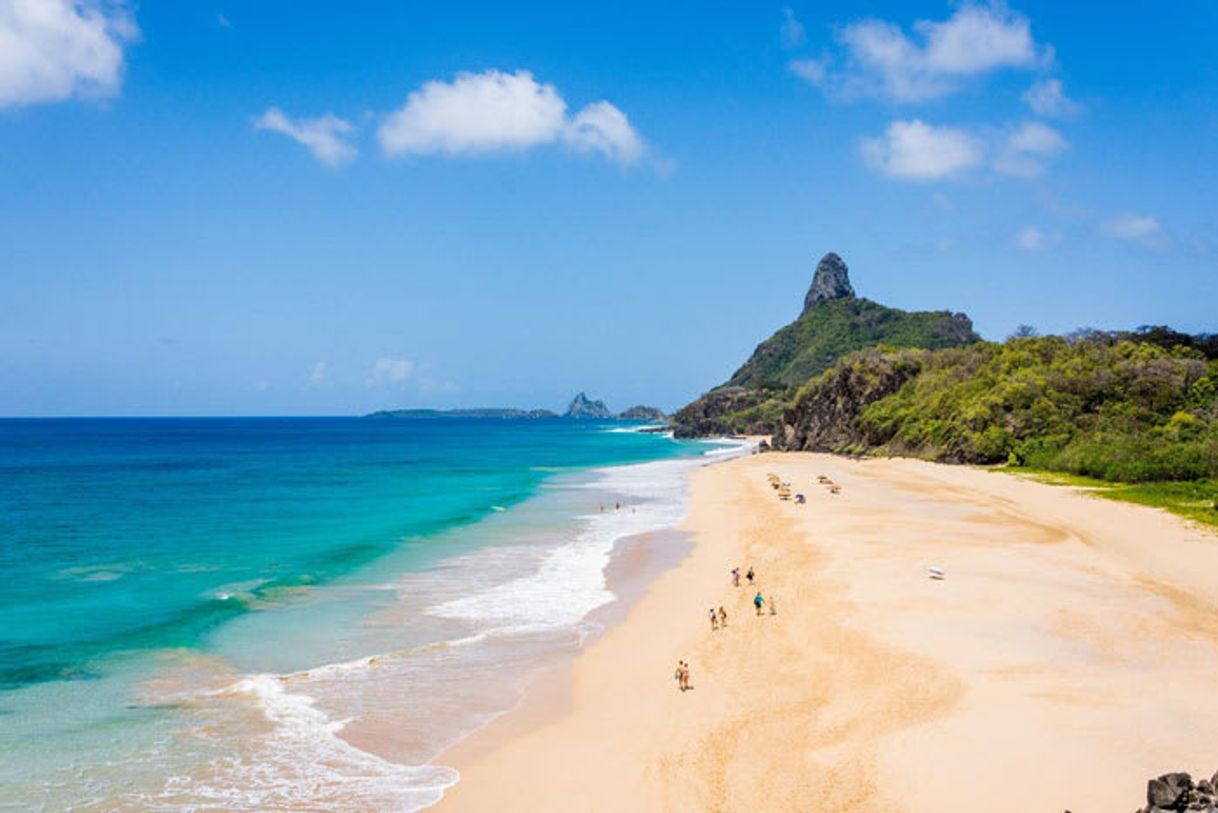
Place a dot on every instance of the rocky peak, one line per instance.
(831, 281)
(582, 407)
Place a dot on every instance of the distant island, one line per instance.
(580, 408)
(486, 412)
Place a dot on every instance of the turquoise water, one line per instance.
(151, 560)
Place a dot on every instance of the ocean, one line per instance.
(295, 613)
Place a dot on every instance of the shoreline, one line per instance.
(1066, 627)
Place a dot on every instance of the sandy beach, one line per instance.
(1068, 655)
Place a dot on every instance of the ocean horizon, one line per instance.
(277, 613)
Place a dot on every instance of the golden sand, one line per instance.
(1070, 652)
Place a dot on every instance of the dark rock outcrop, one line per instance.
(708, 415)
(583, 407)
(1175, 792)
(831, 281)
(824, 417)
(643, 413)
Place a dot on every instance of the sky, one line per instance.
(308, 208)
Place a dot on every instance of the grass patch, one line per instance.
(1192, 499)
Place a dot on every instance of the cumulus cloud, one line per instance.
(390, 371)
(792, 32)
(880, 59)
(916, 151)
(1047, 98)
(601, 127)
(494, 111)
(1025, 151)
(1142, 230)
(323, 136)
(51, 50)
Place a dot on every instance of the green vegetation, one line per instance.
(814, 342)
(753, 400)
(1106, 406)
(1196, 500)
(767, 413)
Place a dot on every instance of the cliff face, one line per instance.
(723, 411)
(834, 323)
(825, 415)
(830, 281)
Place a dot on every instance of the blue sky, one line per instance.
(296, 208)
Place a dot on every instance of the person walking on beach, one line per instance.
(758, 601)
(773, 606)
(722, 616)
(714, 619)
(735, 577)
(749, 575)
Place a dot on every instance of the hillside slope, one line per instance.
(1118, 407)
(834, 323)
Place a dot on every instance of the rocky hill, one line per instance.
(583, 407)
(643, 413)
(834, 322)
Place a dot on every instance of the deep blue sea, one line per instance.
(173, 586)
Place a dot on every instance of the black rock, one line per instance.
(831, 281)
(1169, 791)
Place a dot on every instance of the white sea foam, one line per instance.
(569, 581)
(508, 590)
(303, 764)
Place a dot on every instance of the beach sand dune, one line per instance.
(1069, 653)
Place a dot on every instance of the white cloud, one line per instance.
(792, 32)
(318, 375)
(1046, 98)
(323, 136)
(390, 371)
(812, 71)
(493, 111)
(914, 150)
(880, 59)
(1030, 238)
(601, 127)
(1143, 230)
(51, 50)
(1025, 151)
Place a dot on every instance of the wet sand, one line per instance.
(1068, 655)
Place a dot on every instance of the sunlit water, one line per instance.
(294, 613)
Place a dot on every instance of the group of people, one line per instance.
(718, 620)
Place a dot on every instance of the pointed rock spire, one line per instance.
(831, 281)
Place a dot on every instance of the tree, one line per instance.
(1024, 332)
